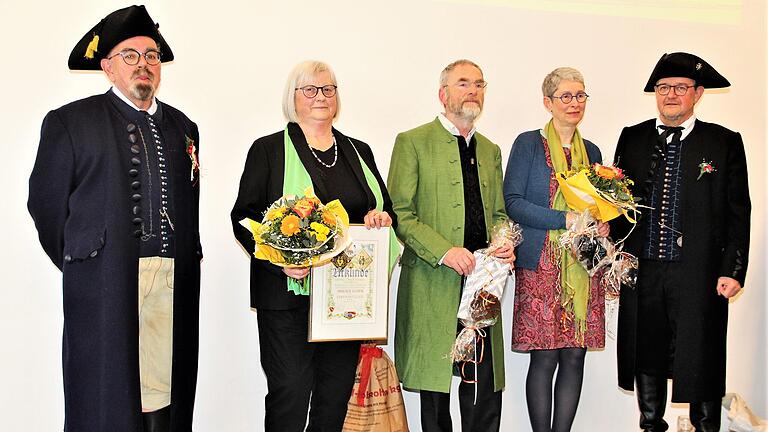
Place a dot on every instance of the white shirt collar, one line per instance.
(152, 108)
(686, 125)
(450, 127)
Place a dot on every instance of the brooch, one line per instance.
(705, 168)
(192, 152)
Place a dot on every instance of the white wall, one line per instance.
(232, 59)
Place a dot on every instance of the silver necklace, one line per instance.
(335, 154)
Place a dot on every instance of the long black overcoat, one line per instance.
(716, 218)
(81, 199)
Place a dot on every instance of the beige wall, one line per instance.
(232, 59)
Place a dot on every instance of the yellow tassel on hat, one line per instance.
(92, 47)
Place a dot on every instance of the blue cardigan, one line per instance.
(526, 194)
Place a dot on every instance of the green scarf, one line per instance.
(296, 180)
(574, 279)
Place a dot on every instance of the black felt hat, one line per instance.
(116, 27)
(686, 65)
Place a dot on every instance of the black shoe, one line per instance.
(157, 421)
(652, 400)
(705, 416)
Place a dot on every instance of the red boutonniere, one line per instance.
(192, 152)
(705, 168)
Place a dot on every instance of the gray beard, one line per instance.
(143, 92)
(469, 112)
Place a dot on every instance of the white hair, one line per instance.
(301, 75)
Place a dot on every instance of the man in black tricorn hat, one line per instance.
(114, 196)
(692, 244)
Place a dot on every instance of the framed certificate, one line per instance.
(349, 298)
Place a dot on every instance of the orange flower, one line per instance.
(329, 218)
(606, 172)
(303, 207)
(290, 225)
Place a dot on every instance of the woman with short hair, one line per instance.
(559, 311)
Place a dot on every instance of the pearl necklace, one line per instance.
(335, 154)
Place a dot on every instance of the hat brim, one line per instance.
(116, 27)
(686, 65)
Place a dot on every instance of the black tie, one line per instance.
(675, 131)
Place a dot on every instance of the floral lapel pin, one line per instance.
(705, 168)
(192, 152)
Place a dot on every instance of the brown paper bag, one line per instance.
(376, 403)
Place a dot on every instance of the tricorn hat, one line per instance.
(116, 27)
(686, 65)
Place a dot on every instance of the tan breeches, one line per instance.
(155, 331)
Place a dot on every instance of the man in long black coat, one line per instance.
(693, 247)
(114, 196)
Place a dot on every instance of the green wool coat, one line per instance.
(427, 191)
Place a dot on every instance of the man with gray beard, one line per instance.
(445, 182)
(114, 196)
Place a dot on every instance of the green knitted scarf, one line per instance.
(574, 279)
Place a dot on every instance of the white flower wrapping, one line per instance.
(480, 304)
(490, 275)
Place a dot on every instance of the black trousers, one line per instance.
(483, 416)
(302, 374)
(661, 288)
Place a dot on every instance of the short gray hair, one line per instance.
(553, 79)
(301, 75)
(450, 67)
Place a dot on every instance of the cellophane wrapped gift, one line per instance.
(621, 269)
(581, 239)
(480, 304)
(597, 254)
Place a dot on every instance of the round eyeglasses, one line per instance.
(680, 89)
(311, 91)
(131, 57)
(466, 85)
(566, 98)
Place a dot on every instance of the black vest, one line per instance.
(475, 234)
(663, 227)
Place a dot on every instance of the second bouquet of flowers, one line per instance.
(603, 189)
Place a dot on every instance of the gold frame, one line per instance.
(377, 330)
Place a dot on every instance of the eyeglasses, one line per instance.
(310, 91)
(566, 98)
(131, 57)
(680, 89)
(466, 85)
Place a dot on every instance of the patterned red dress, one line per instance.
(539, 320)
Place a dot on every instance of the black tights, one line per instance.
(569, 363)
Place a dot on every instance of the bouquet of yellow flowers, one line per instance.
(603, 189)
(300, 231)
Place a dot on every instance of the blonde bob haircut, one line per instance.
(301, 75)
(553, 79)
